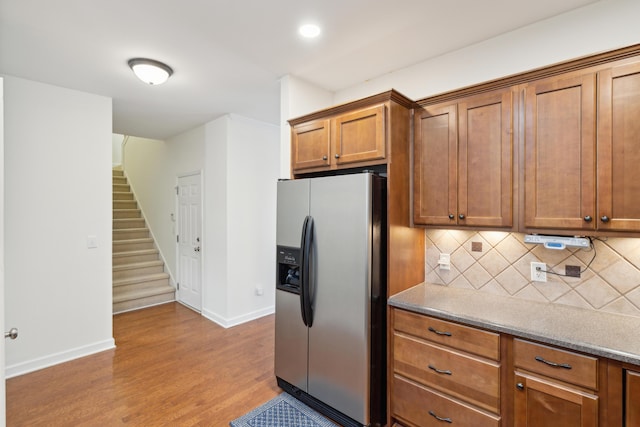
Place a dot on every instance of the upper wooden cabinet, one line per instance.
(559, 146)
(348, 139)
(619, 148)
(463, 162)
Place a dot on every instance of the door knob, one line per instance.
(13, 333)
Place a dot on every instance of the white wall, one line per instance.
(152, 167)
(116, 149)
(606, 25)
(58, 192)
(239, 159)
(3, 400)
(297, 98)
(242, 171)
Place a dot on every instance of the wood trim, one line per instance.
(391, 95)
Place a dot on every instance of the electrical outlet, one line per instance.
(538, 271)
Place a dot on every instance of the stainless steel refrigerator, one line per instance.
(330, 339)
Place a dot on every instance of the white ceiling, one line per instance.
(228, 55)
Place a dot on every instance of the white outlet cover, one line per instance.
(538, 276)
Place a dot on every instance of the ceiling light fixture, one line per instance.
(309, 31)
(150, 71)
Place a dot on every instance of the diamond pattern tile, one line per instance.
(611, 283)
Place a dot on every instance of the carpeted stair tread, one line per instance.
(140, 240)
(141, 293)
(140, 252)
(140, 279)
(135, 265)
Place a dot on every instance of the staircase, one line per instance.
(139, 279)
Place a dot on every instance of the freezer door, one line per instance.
(291, 335)
(293, 207)
(339, 338)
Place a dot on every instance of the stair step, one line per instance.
(144, 281)
(119, 224)
(138, 273)
(121, 188)
(134, 300)
(132, 245)
(126, 213)
(138, 269)
(125, 204)
(117, 195)
(130, 233)
(134, 257)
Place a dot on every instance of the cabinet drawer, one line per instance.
(562, 365)
(476, 341)
(464, 377)
(420, 406)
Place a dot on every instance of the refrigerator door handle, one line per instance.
(306, 271)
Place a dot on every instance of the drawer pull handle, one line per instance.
(435, 331)
(440, 371)
(555, 365)
(446, 420)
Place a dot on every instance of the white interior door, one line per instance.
(190, 241)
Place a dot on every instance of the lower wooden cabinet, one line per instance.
(444, 373)
(540, 402)
(632, 399)
(559, 388)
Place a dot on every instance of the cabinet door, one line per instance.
(542, 403)
(619, 148)
(360, 136)
(435, 178)
(632, 399)
(485, 163)
(310, 145)
(560, 153)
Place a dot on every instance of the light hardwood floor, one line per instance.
(170, 367)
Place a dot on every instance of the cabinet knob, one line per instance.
(324, 157)
(337, 156)
(461, 216)
(604, 218)
(520, 386)
(588, 218)
(451, 216)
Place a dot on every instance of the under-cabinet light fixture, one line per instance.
(557, 242)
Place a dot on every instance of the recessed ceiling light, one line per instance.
(309, 31)
(150, 71)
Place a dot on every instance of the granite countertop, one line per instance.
(612, 336)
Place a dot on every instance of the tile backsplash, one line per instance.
(610, 283)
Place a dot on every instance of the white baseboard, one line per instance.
(238, 320)
(57, 358)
